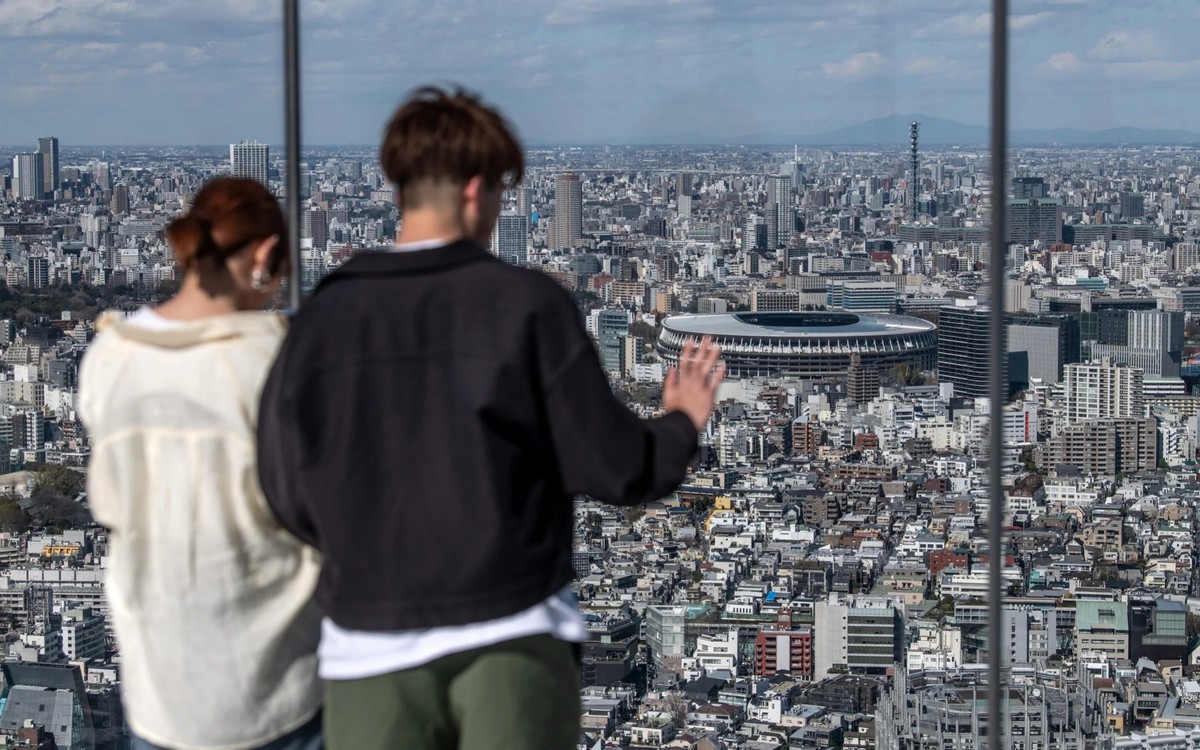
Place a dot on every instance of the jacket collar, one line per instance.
(214, 328)
(387, 264)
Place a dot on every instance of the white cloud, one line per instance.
(924, 65)
(1064, 62)
(1153, 70)
(1127, 46)
(969, 24)
(856, 66)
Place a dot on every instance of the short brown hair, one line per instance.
(448, 136)
(240, 211)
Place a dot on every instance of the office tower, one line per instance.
(38, 272)
(27, 178)
(1025, 188)
(315, 224)
(1039, 347)
(1035, 219)
(1133, 206)
(914, 135)
(772, 227)
(249, 159)
(525, 202)
(750, 233)
(779, 194)
(568, 211)
(962, 349)
(102, 174)
(1103, 390)
(119, 203)
(48, 148)
(1149, 339)
(666, 629)
(510, 238)
(610, 327)
(863, 635)
(863, 296)
(683, 193)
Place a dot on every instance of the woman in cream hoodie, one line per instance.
(211, 600)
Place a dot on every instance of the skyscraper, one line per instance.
(962, 349)
(568, 211)
(525, 202)
(510, 237)
(779, 195)
(27, 177)
(315, 224)
(48, 148)
(249, 159)
(683, 193)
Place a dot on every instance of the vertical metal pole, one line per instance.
(291, 71)
(997, 390)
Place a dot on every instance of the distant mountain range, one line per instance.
(893, 131)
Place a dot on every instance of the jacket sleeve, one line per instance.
(278, 463)
(602, 448)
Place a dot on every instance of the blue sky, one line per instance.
(188, 72)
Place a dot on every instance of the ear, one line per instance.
(472, 190)
(262, 251)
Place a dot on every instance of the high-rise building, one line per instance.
(48, 149)
(315, 224)
(863, 635)
(1186, 256)
(1149, 339)
(610, 326)
(750, 233)
(683, 193)
(784, 648)
(1102, 390)
(38, 272)
(1025, 188)
(119, 203)
(27, 177)
(568, 211)
(779, 194)
(962, 349)
(249, 159)
(1133, 206)
(525, 202)
(1035, 219)
(862, 382)
(510, 238)
(1039, 347)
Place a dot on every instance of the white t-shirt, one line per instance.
(357, 654)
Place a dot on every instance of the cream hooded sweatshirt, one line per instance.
(211, 600)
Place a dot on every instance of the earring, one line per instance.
(259, 280)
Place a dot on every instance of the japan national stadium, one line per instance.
(804, 344)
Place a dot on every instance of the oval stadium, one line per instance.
(804, 344)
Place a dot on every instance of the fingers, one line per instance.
(717, 376)
(687, 356)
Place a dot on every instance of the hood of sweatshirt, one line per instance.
(192, 332)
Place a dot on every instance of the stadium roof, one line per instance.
(796, 324)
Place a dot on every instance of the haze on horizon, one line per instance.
(141, 72)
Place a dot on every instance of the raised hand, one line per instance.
(691, 385)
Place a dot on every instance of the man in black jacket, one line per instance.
(428, 420)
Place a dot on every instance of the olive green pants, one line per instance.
(518, 695)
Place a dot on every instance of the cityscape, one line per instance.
(820, 579)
